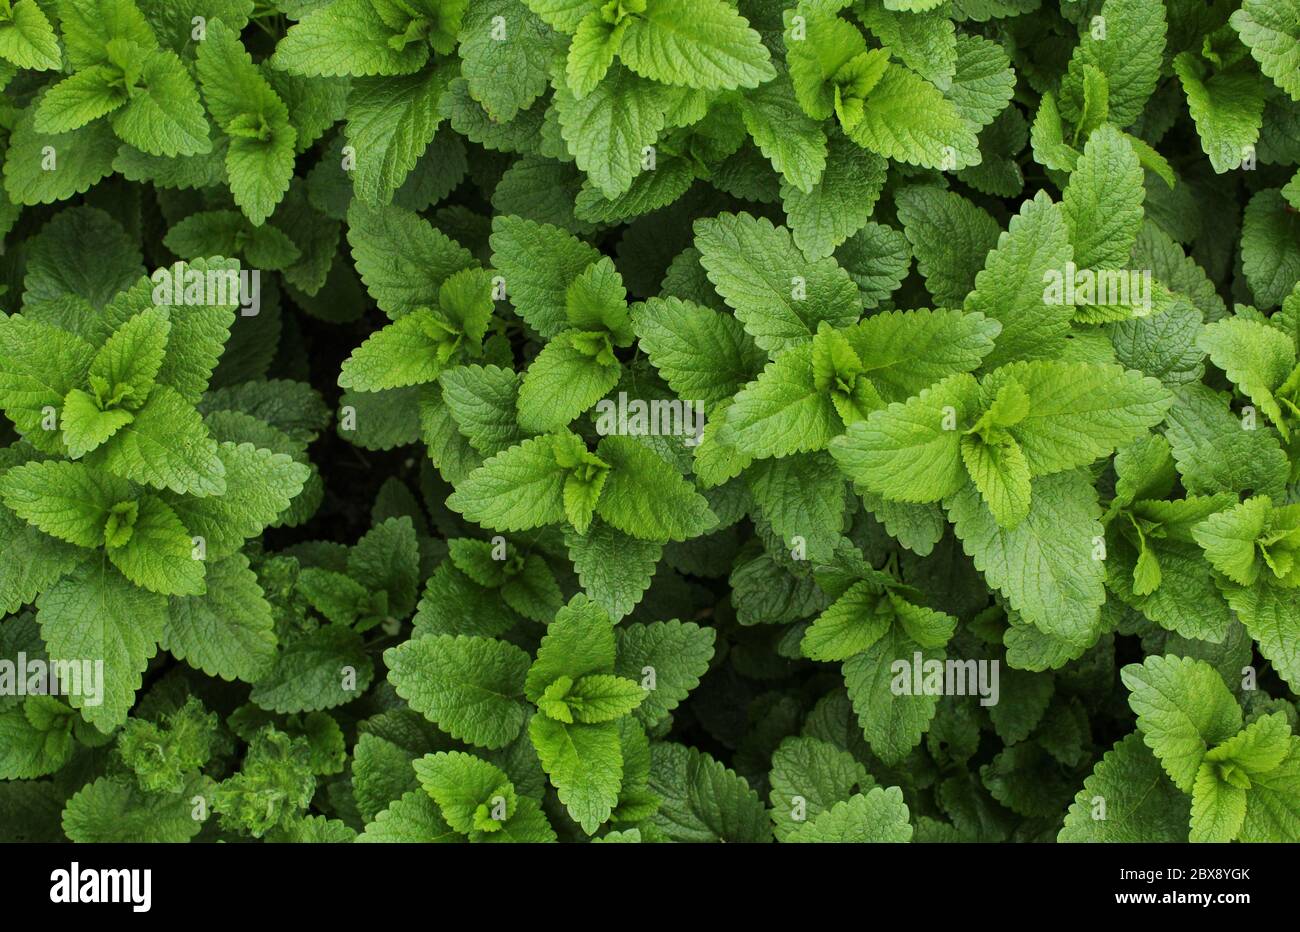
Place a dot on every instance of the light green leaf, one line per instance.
(227, 632)
(95, 614)
(717, 50)
(1271, 30)
(778, 294)
(879, 816)
(1183, 708)
(471, 687)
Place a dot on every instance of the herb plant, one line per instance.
(650, 420)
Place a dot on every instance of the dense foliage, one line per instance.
(650, 420)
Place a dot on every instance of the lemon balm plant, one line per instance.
(649, 421)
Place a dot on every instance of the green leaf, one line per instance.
(855, 621)
(115, 809)
(892, 718)
(613, 568)
(27, 39)
(454, 604)
(467, 790)
(602, 697)
(911, 451)
(505, 61)
(337, 596)
(125, 368)
(1228, 109)
(1011, 290)
(167, 447)
(89, 25)
(668, 658)
(1183, 708)
(67, 500)
(564, 15)
(519, 488)
(925, 43)
(1218, 809)
(539, 262)
(42, 168)
(562, 382)
(608, 130)
(39, 365)
(778, 294)
(702, 354)
(259, 485)
(199, 333)
(1270, 615)
(167, 118)
(482, 400)
(1230, 540)
(983, 82)
(1128, 51)
(1259, 748)
(30, 561)
(646, 497)
(578, 642)
(1045, 565)
(35, 743)
(349, 37)
(409, 351)
(791, 140)
(585, 764)
(325, 668)
(907, 119)
(158, 555)
(592, 51)
(828, 44)
(1270, 247)
(808, 777)
(1271, 30)
(879, 816)
(401, 258)
(802, 498)
(1001, 473)
(213, 232)
(260, 158)
(1272, 811)
(703, 801)
(839, 204)
(1256, 357)
(1096, 102)
(85, 426)
(95, 614)
(1078, 412)
(1102, 203)
(533, 591)
(1213, 453)
(783, 411)
(471, 687)
(387, 558)
(229, 631)
(1140, 802)
(390, 123)
(951, 238)
(413, 818)
(79, 99)
(717, 51)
